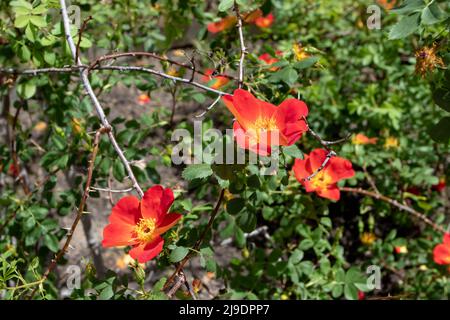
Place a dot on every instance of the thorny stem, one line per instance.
(98, 107)
(80, 210)
(198, 243)
(395, 203)
(79, 68)
(242, 44)
(191, 65)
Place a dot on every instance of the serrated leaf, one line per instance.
(432, 14)
(26, 90)
(406, 26)
(441, 97)
(306, 63)
(22, 21)
(38, 21)
(224, 5)
(178, 254)
(235, 205)
(293, 151)
(441, 131)
(409, 6)
(197, 171)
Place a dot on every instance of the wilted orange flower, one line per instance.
(140, 223)
(441, 252)
(219, 81)
(260, 125)
(126, 260)
(268, 59)
(223, 24)
(323, 183)
(391, 142)
(77, 125)
(427, 60)
(265, 22)
(299, 52)
(367, 238)
(401, 249)
(441, 185)
(362, 139)
(143, 99)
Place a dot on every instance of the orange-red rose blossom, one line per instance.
(260, 125)
(324, 183)
(441, 252)
(140, 223)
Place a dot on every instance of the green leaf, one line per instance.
(29, 33)
(406, 26)
(40, 9)
(441, 131)
(22, 21)
(246, 221)
(51, 242)
(235, 205)
(197, 171)
(38, 21)
(118, 170)
(432, 14)
(306, 63)
(306, 244)
(287, 75)
(296, 256)
(409, 6)
(350, 292)
(178, 254)
(441, 97)
(293, 151)
(26, 90)
(224, 5)
(21, 3)
(50, 57)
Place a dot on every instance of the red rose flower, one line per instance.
(268, 59)
(223, 24)
(265, 22)
(219, 81)
(140, 223)
(323, 183)
(361, 295)
(259, 124)
(440, 186)
(441, 252)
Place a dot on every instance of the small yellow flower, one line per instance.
(401, 249)
(77, 126)
(172, 72)
(299, 52)
(179, 53)
(284, 296)
(391, 142)
(126, 260)
(367, 238)
(423, 267)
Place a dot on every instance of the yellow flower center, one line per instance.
(260, 129)
(265, 124)
(321, 180)
(145, 229)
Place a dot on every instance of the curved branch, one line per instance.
(397, 204)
